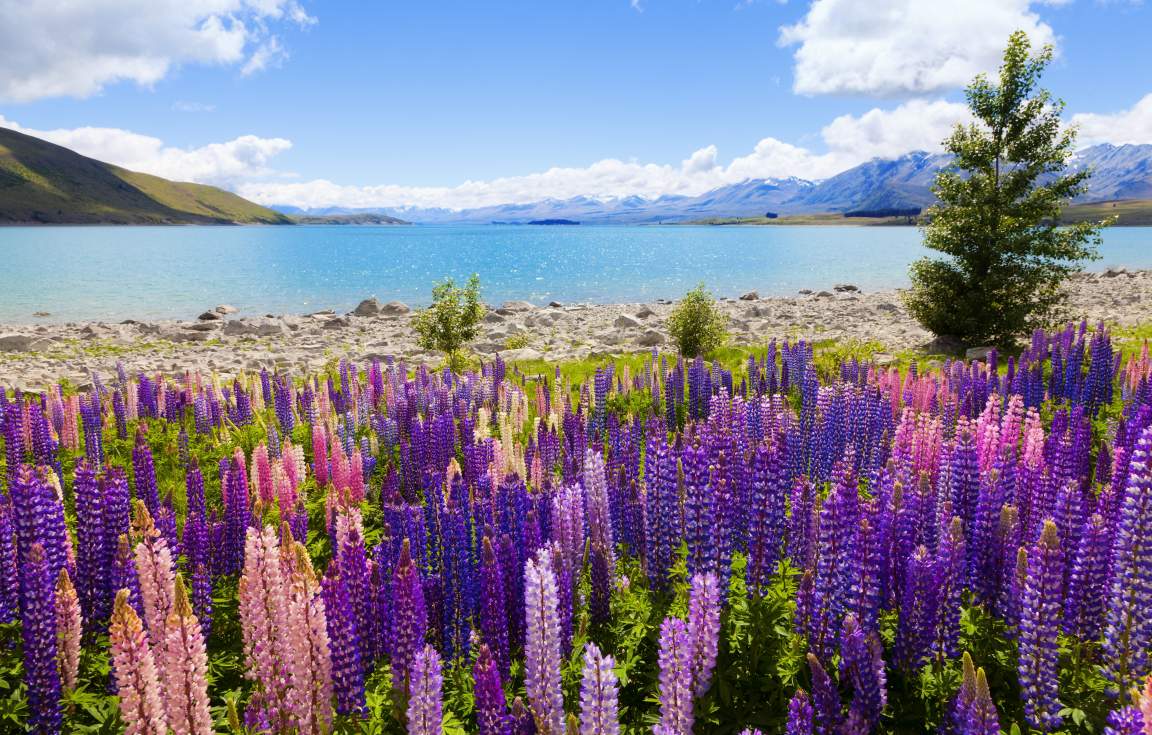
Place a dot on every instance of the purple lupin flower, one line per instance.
(981, 717)
(92, 572)
(1125, 721)
(1087, 578)
(522, 721)
(491, 707)
(917, 611)
(38, 629)
(826, 707)
(542, 645)
(769, 492)
(599, 691)
(862, 665)
(425, 701)
(344, 645)
(409, 614)
(948, 587)
(9, 568)
(1040, 612)
(675, 679)
(493, 608)
(799, 714)
(703, 629)
(964, 694)
(1127, 651)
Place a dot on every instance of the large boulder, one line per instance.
(845, 288)
(395, 308)
(226, 309)
(16, 342)
(750, 296)
(626, 322)
(516, 306)
(650, 338)
(368, 307)
(210, 316)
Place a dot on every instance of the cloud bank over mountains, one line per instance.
(912, 51)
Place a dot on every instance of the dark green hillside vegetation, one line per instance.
(43, 183)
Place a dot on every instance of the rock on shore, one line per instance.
(35, 354)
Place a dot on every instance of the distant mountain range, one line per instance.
(1119, 172)
(43, 183)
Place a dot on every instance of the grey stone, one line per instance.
(644, 313)
(1114, 272)
(824, 295)
(524, 354)
(204, 326)
(978, 353)
(626, 322)
(845, 288)
(944, 344)
(16, 342)
(517, 306)
(395, 308)
(650, 338)
(555, 304)
(887, 307)
(338, 322)
(750, 296)
(41, 313)
(226, 309)
(882, 359)
(210, 316)
(368, 307)
(805, 291)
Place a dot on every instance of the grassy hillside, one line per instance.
(347, 219)
(43, 183)
(1127, 212)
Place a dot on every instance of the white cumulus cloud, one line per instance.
(1128, 126)
(903, 47)
(222, 164)
(50, 48)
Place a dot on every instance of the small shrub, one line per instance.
(453, 319)
(696, 324)
(517, 341)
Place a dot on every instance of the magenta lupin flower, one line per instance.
(137, 683)
(675, 679)
(425, 699)
(599, 692)
(542, 645)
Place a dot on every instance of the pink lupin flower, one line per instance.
(186, 690)
(68, 628)
(262, 473)
(313, 673)
(135, 670)
(265, 622)
(157, 578)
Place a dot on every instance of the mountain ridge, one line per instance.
(1122, 172)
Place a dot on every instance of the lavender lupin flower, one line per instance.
(599, 690)
(862, 665)
(409, 613)
(981, 717)
(542, 645)
(825, 699)
(675, 679)
(704, 629)
(425, 700)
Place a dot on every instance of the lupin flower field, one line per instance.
(796, 544)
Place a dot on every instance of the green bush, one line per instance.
(998, 215)
(453, 319)
(696, 324)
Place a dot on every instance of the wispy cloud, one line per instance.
(186, 106)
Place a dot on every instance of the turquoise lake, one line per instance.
(113, 273)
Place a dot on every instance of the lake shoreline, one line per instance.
(32, 355)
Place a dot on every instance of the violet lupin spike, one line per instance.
(981, 717)
(39, 634)
(425, 699)
(862, 665)
(542, 645)
(493, 608)
(409, 613)
(599, 689)
(1127, 651)
(491, 708)
(825, 699)
(799, 714)
(1040, 613)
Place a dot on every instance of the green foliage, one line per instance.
(1000, 204)
(696, 324)
(517, 341)
(453, 319)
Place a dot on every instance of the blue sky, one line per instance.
(399, 103)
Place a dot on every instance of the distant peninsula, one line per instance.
(43, 183)
(368, 218)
